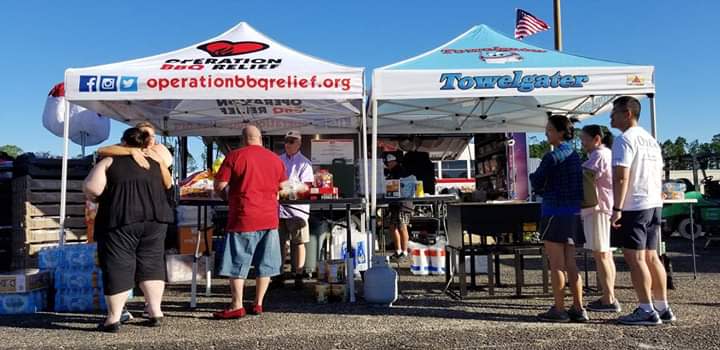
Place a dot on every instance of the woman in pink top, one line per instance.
(596, 220)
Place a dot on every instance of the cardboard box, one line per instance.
(187, 239)
(23, 281)
(392, 188)
(179, 267)
(324, 193)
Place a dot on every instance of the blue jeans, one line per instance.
(260, 249)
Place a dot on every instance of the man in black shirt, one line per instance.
(419, 164)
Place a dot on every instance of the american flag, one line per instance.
(527, 25)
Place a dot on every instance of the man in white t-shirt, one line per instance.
(294, 228)
(637, 196)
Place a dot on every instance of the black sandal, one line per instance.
(154, 321)
(109, 328)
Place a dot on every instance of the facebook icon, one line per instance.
(88, 83)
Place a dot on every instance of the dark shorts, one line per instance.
(131, 254)
(399, 215)
(562, 229)
(639, 230)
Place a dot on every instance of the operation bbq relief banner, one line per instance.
(222, 68)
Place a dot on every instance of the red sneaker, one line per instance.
(256, 310)
(229, 314)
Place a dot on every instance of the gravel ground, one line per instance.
(423, 317)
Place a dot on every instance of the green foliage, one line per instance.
(11, 150)
(676, 152)
(538, 147)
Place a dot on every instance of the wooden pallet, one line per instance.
(36, 217)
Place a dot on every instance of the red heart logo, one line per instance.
(224, 48)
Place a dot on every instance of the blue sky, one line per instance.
(40, 39)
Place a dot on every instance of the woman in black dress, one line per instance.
(130, 227)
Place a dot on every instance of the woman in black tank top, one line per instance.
(130, 227)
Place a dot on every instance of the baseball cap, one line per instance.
(293, 134)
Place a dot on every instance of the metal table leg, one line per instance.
(461, 273)
(208, 242)
(449, 273)
(518, 273)
(349, 256)
(490, 273)
(497, 271)
(193, 284)
(692, 238)
(472, 262)
(545, 273)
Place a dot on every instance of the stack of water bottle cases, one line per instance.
(68, 280)
(77, 278)
(23, 291)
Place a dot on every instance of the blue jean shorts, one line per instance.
(260, 249)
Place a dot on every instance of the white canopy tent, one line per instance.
(483, 81)
(221, 85)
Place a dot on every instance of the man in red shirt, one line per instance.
(250, 178)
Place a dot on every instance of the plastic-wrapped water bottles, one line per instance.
(23, 303)
(359, 245)
(49, 258)
(78, 256)
(79, 300)
(78, 278)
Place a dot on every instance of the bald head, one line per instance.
(252, 135)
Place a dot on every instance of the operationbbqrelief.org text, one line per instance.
(248, 82)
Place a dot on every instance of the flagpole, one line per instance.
(558, 25)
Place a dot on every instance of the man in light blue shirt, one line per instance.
(294, 219)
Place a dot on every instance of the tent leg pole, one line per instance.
(653, 120)
(183, 150)
(653, 130)
(64, 174)
(373, 172)
(366, 181)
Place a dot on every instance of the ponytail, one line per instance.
(606, 137)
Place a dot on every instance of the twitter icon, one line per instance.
(128, 83)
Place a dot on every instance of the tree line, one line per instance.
(677, 154)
